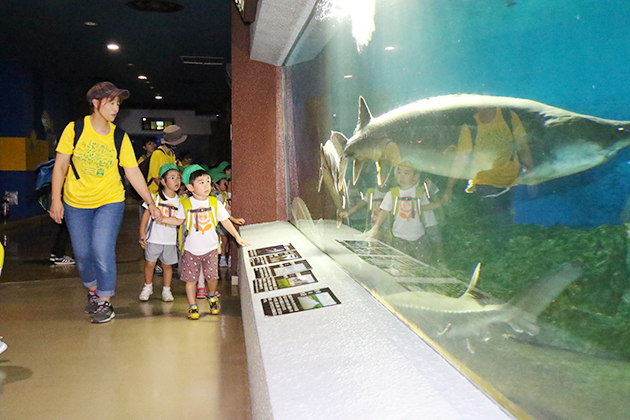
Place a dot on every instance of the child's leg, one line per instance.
(212, 287)
(148, 271)
(167, 276)
(191, 288)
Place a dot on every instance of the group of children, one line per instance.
(404, 215)
(192, 211)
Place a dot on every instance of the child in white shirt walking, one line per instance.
(158, 239)
(199, 216)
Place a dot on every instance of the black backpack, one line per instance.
(144, 168)
(119, 135)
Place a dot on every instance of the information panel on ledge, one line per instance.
(298, 302)
(282, 266)
(279, 267)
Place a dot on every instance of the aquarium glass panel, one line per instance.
(468, 163)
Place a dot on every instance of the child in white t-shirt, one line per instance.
(407, 206)
(158, 239)
(199, 216)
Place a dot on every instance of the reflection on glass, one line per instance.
(483, 192)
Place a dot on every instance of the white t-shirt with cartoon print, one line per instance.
(407, 224)
(202, 236)
(161, 233)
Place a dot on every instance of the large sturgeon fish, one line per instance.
(468, 317)
(426, 134)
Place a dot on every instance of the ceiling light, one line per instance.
(90, 23)
(113, 47)
(158, 97)
(142, 77)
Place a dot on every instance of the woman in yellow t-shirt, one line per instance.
(93, 195)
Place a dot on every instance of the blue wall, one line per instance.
(25, 94)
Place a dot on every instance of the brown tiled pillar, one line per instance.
(258, 154)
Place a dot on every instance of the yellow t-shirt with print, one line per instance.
(158, 158)
(95, 160)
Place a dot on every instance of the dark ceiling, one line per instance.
(51, 35)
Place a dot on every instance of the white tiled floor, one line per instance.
(150, 362)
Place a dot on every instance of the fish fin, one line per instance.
(473, 281)
(322, 156)
(543, 291)
(364, 115)
(357, 168)
(339, 141)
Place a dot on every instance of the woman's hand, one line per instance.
(56, 211)
(156, 214)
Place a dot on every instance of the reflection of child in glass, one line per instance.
(407, 228)
(202, 242)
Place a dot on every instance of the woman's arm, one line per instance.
(136, 179)
(60, 170)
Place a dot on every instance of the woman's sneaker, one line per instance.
(215, 304)
(146, 292)
(193, 312)
(92, 303)
(104, 313)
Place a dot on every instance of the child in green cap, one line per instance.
(199, 215)
(158, 239)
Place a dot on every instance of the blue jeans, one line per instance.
(93, 233)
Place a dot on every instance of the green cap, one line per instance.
(217, 175)
(223, 165)
(167, 167)
(189, 170)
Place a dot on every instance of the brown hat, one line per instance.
(173, 135)
(106, 90)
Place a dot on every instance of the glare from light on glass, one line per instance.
(90, 23)
(113, 47)
(390, 48)
(347, 76)
(142, 77)
(158, 97)
(361, 13)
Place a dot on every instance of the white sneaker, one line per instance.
(167, 296)
(146, 292)
(223, 262)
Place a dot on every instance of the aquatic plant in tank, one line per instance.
(515, 119)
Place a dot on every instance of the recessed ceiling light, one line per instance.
(142, 77)
(158, 97)
(90, 23)
(113, 47)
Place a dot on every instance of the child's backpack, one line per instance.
(157, 199)
(190, 218)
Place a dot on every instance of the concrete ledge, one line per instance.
(354, 360)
